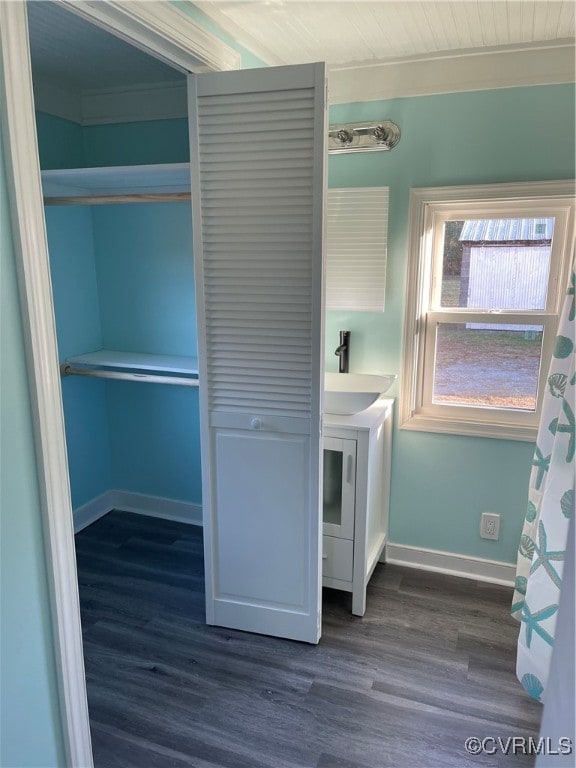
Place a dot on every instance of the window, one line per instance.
(486, 276)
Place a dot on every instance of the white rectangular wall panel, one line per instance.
(258, 163)
(356, 241)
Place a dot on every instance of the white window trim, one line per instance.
(449, 202)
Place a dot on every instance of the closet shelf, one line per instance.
(133, 366)
(136, 183)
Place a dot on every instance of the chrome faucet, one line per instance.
(343, 352)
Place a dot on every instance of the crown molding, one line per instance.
(128, 104)
(122, 104)
(239, 34)
(453, 71)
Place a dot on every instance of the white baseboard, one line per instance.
(141, 504)
(478, 568)
(157, 506)
(491, 571)
(91, 511)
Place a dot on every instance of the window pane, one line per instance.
(487, 365)
(496, 263)
(332, 490)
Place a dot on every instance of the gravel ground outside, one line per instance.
(486, 367)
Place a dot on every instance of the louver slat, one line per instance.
(356, 235)
(256, 181)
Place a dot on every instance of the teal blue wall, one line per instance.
(77, 312)
(60, 142)
(145, 270)
(30, 719)
(442, 483)
(155, 440)
(153, 141)
(64, 144)
(73, 272)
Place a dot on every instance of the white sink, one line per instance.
(348, 393)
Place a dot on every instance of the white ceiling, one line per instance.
(78, 56)
(75, 54)
(349, 31)
(375, 50)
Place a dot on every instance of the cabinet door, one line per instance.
(258, 179)
(339, 487)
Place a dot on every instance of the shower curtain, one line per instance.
(550, 505)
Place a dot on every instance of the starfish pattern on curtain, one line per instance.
(550, 505)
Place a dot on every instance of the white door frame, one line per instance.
(161, 30)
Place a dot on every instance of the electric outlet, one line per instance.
(489, 526)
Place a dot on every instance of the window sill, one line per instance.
(470, 428)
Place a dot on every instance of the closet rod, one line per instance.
(147, 197)
(67, 370)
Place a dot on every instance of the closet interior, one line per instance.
(119, 209)
(118, 218)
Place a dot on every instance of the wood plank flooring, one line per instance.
(430, 664)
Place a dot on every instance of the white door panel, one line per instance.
(258, 179)
(257, 543)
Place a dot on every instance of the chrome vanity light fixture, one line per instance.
(363, 137)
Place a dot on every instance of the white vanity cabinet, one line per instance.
(356, 493)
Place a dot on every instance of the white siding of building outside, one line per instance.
(508, 277)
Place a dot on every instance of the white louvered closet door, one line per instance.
(258, 180)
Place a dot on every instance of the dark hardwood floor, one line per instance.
(430, 664)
